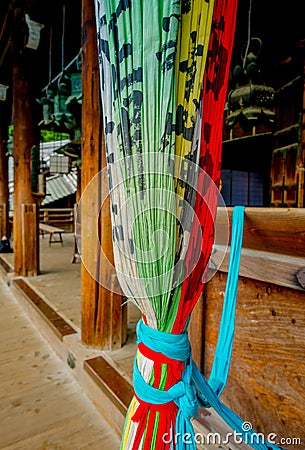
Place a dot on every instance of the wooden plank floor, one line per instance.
(42, 407)
(60, 285)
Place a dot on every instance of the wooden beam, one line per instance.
(264, 266)
(273, 244)
(275, 230)
(5, 33)
(101, 308)
(26, 255)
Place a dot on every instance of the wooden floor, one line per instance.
(60, 285)
(42, 406)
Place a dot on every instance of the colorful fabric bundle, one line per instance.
(164, 69)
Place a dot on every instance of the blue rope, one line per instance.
(222, 358)
(194, 390)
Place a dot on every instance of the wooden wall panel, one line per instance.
(267, 375)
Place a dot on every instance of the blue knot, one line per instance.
(190, 392)
(184, 392)
(188, 403)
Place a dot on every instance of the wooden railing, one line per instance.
(273, 244)
(62, 217)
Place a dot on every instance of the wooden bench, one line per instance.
(52, 231)
(61, 217)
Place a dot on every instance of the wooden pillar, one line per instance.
(4, 192)
(26, 242)
(103, 317)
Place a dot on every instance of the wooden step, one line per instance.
(110, 381)
(60, 327)
(5, 266)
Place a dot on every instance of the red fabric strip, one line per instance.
(149, 430)
(214, 97)
(166, 423)
(143, 405)
(139, 416)
(157, 356)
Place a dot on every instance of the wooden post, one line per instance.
(79, 185)
(76, 254)
(4, 193)
(100, 307)
(26, 242)
(301, 168)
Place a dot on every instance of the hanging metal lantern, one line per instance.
(35, 155)
(61, 114)
(76, 84)
(60, 98)
(47, 103)
(251, 102)
(74, 101)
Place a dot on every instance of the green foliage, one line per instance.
(51, 136)
(46, 135)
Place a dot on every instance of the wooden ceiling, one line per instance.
(47, 59)
(280, 27)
